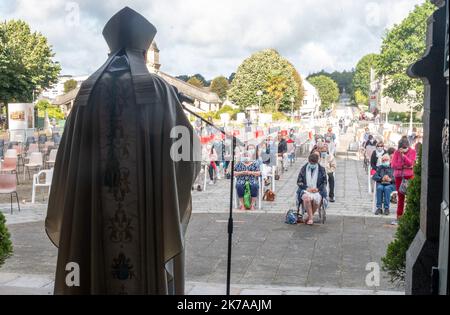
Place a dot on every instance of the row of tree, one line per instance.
(277, 81)
(402, 46)
(219, 85)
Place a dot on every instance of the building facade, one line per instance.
(311, 101)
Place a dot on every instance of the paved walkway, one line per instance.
(352, 197)
(269, 257)
(266, 252)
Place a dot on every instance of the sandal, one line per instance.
(310, 222)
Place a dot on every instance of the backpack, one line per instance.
(291, 217)
(247, 196)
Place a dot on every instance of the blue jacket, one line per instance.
(383, 171)
(322, 182)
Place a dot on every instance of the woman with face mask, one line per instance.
(312, 187)
(403, 163)
(248, 170)
(375, 161)
(384, 177)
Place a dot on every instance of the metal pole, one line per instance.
(230, 220)
(292, 113)
(411, 120)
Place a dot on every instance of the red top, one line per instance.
(403, 164)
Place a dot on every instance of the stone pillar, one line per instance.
(424, 252)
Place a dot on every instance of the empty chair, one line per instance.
(12, 144)
(8, 185)
(9, 165)
(52, 158)
(37, 182)
(11, 153)
(18, 149)
(48, 144)
(34, 147)
(36, 161)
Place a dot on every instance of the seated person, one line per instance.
(312, 185)
(248, 170)
(375, 160)
(385, 180)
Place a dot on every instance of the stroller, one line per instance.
(301, 211)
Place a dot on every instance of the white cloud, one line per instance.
(213, 37)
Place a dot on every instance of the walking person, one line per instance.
(328, 161)
(331, 140)
(403, 163)
(384, 177)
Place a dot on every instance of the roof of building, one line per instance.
(66, 98)
(183, 87)
(195, 92)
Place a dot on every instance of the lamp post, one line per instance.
(292, 112)
(412, 96)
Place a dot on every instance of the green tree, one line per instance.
(220, 86)
(53, 111)
(201, 79)
(403, 45)
(276, 86)
(395, 260)
(262, 72)
(70, 85)
(26, 62)
(328, 90)
(361, 80)
(195, 82)
(360, 98)
(183, 77)
(6, 248)
(344, 79)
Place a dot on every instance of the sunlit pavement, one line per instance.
(269, 257)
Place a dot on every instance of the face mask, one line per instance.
(380, 150)
(251, 152)
(387, 164)
(324, 155)
(245, 159)
(312, 167)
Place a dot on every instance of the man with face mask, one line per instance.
(384, 177)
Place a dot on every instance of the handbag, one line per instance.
(269, 196)
(404, 185)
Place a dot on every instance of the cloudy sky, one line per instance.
(214, 37)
